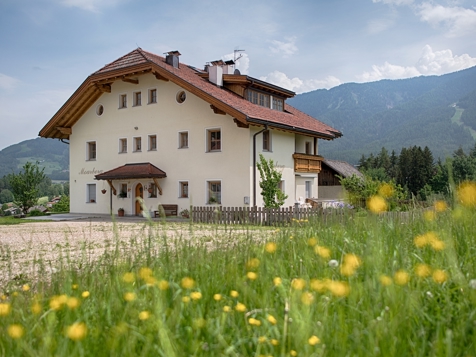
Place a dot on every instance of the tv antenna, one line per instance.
(237, 55)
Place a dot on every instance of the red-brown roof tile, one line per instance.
(132, 171)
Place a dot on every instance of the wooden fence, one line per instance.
(285, 215)
(258, 215)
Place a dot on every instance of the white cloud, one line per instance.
(286, 49)
(7, 82)
(394, 2)
(298, 85)
(458, 20)
(243, 64)
(430, 63)
(90, 5)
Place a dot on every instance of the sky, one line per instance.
(49, 47)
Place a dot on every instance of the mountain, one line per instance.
(53, 155)
(434, 111)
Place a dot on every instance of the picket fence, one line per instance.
(282, 216)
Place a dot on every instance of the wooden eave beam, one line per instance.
(114, 191)
(63, 130)
(130, 80)
(157, 184)
(239, 124)
(160, 77)
(104, 88)
(78, 110)
(216, 110)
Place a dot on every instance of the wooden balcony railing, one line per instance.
(307, 163)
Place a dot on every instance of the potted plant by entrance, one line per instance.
(120, 212)
(185, 213)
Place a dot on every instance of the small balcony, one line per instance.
(307, 163)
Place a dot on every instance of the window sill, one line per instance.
(183, 197)
(137, 151)
(122, 108)
(135, 106)
(152, 150)
(90, 159)
(122, 152)
(151, 103)
(213, 151)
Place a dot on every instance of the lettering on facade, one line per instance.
(90, 172)
(279, 166)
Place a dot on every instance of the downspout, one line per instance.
(254, 163)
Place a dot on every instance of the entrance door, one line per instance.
(139, 193)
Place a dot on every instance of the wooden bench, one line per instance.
(169, 210)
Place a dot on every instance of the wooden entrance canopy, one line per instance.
(131, 172)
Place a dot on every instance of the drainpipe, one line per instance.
(254, 162)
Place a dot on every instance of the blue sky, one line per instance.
(49, 47)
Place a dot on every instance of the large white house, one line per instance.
(152, 127)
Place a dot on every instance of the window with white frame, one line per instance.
(152, 142)
(308, 148)
(152, 190)
(308, 189)
(91, 151)
(183, 189)
(91, 192)
(123, 192)
(122, 145)
(152, 96)
(183, 140)
(137, 99)
(123, 101)
(137, 144)
(281, 186)
(267, 140)
(214, 192)
(213, 140)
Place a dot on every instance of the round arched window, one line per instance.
(99, 110)
(181, 96)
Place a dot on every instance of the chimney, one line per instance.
(172, 58)
(215, 74)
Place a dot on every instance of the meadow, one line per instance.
(365, 284)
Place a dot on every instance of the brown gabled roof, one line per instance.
(138, 62)
(132, 171)
(343, 168)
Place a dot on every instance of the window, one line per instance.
(263, 100)
(281, 186)
(123, 101)
(252, 96)
(123, 192)
(278, 104)
(259, 98)
(183, 189)
(181, 96)
(152, 96)
(122, 145)
(152, 190)
(214, 140)
(99, 110)
(91, 151)
(137, 99)
(91, 192)
(308, 189)
(183, 140)
(266, 140)
(137, 144)
(214, 192)
(308, 147)
(152, 142)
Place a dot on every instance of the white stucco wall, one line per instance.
(165, 119)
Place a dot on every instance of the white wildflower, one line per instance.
(333, 263)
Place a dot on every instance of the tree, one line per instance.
(25, 184)
(6, 196)
(270, 179)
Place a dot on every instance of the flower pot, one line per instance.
(103, 191)
(120, 213)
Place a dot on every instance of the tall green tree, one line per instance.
(270, 179)
(25, 185)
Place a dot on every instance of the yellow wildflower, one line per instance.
(85, 294)
(318, 285)
(439, 276)
(226, 308)
(429, 215)
(270, 247)
(186, 299)
(25, 287)
(314, 340)
(440, 206)
(323, 252)
(377, 204)
(467, 194)
(271, 319)
(312, 241)
(385, 190)
(338, 288)
(199, 323)
(74, 286)
(251, 275)
(298, 284)
(217, 297)
(422, 270)
(196, 295)
(437, 244)
(77, 331)
(262, 339)
(253, 263)
(277, 281)
(144, 315)
(307, 298)
(36, 308)
(73, 302)
(128, 277)
(57, 302)
(350, 264)
(129, 296)
(420, 241)
(385, 280)
(240, 307)
(15, 331)
(401, 277)
(5, 309)
(187, 283)
(234, 293)
(145, 273)
(293, 353)
(163, 285)
(254, 322)
(274, 342)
